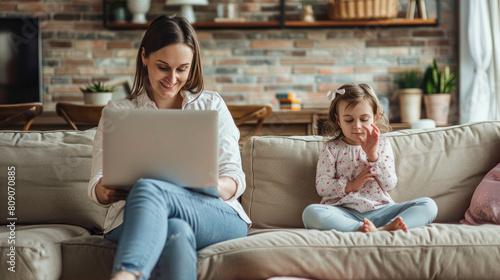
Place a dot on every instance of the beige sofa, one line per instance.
(57, 226)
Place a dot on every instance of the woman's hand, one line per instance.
(108, 196)
(360, 181)
(370, 144)
(227, 188)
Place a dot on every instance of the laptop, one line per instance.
(177, 146)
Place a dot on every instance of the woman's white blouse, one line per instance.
(229, 153)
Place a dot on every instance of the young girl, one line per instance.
(356, 170)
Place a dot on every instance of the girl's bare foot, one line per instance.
(124, 275)
(368, 226)
(395, 225)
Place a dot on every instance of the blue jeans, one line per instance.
(165, 224)
(415, 213)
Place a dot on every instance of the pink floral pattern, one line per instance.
(340, 163)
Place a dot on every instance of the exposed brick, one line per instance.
(60, 44)
(32, 7)
(57, 25)
(315, 61)
(88, 26)
(126, 53)
(285, 80)
(227, 35)
(78, 62)
(340, 43)
(327, 87)
(367, 69)
(261, 96)
(336, 70)
(271, 44)
(7, 7)
(90, 71)
(428, 33)
(76, 8)
(203, 35)
(63, 88)
(119, 45)
(267, 70)
(241, 88)
(383, 43)
(235, 61)
(67, 16)
(304, 70)
(66, 70)
(120, 71)
(78, 80)
(86, 44)
(102, 53)
(304, 44)
(224, 79)
(441, 42)
(299, 53)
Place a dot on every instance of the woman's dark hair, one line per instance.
(165, 30)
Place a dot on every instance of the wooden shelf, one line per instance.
(349, 23)
(127, 25)
(237, 24)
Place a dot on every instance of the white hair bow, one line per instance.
(333, 93)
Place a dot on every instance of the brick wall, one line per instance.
(243, 65)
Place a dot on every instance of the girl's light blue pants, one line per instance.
(415, 213)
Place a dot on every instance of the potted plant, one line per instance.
(97, 93)
(410, 95)
(437, 87)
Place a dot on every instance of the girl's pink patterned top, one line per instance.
(340, 163)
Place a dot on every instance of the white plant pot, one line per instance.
(410, 103)
(97, 98)
(139, 8)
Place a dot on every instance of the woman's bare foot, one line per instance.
(124, 275)
(397, 224)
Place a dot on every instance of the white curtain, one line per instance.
(476, 105)
(494, 71)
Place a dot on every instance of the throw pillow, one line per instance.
(485, 204)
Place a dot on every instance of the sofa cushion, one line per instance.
(87, 257)
(438, 251)
(445, 164)
(52, 170)
(485, 203)
(37, 250)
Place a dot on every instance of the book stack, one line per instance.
(288, 101)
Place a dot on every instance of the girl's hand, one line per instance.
(360, 181)
(370, 144)
(108, 196)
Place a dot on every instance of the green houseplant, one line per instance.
(410, 95)
(97, 93)
(437, 87)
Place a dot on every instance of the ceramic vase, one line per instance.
(139, 8)
(410, 104)
(97, 98)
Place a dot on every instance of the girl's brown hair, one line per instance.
(165, 30)
(354, 94)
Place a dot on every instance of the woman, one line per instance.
(159, 225)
